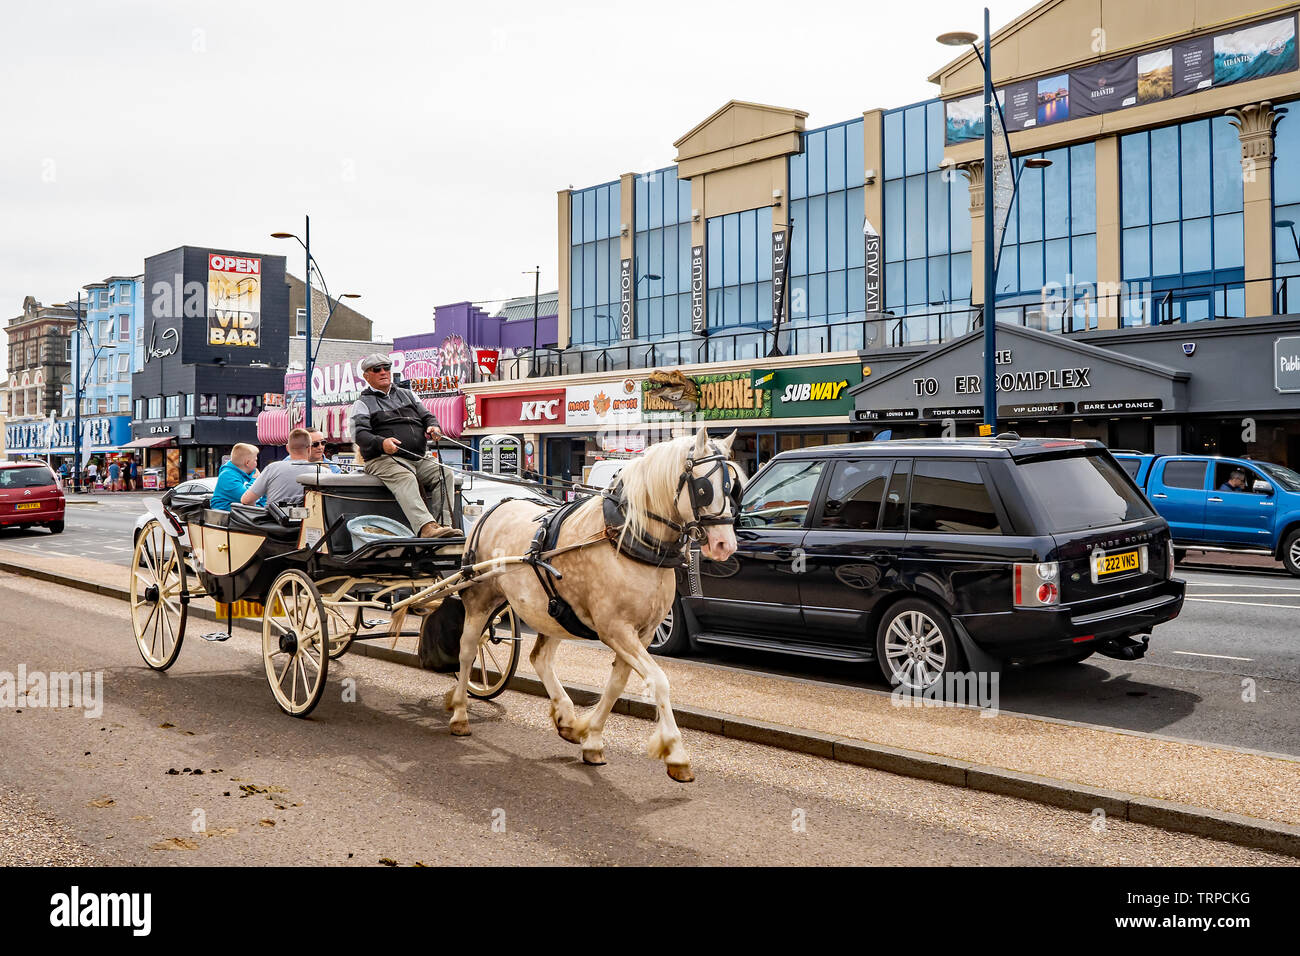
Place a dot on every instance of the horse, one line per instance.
(678, 488)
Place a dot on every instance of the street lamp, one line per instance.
(536, 272)
(312, 350)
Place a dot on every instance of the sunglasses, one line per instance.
(381, 368)
(318, 444)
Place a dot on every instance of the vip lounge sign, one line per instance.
(234, 300)
(1286, 363)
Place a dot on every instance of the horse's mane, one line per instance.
(650, 485)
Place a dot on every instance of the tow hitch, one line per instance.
(1126, 648)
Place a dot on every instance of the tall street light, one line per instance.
(313, 349)
(536, 273)
(961, 39)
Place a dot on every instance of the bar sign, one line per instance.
(625, 315)
(699, 318)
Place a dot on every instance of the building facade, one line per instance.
(216, 346)
(1161, 230)
(40, 365)
(344, 323)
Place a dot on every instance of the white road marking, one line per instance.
(1277, 594)
(1290, 607)
(1222, 657)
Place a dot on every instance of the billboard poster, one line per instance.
(1200, 63)
(1193, 65)
(1262, 50)
(603, 404)
(671, 396)
(1104, 87)
(1155, 76)
(234, 300)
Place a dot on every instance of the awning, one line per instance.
(450, 412)
(153, 442)
(273, 427)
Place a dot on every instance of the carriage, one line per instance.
(311, 573)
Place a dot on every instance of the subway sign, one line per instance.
(819, 391)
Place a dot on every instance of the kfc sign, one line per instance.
(529, 408)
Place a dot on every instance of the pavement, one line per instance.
(197, 766)
(1232, 793)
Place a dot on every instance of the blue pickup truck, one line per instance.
(1223, 504)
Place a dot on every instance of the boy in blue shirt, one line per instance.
(235, 477)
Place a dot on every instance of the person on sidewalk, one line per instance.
(278, 483)
(390, 426)
(114, 473)
(133, 474)
(234, 477)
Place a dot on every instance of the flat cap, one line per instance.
(374, 360)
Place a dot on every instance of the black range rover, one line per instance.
(935, 556)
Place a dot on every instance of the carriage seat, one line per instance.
(339, 482)
(250, 519)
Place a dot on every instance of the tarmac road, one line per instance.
(380, 779)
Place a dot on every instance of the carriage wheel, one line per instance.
(498, 655)
(344, 623)
(295, 640)
(157, 579)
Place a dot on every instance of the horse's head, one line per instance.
(708, 496)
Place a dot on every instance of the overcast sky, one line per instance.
(426, 140)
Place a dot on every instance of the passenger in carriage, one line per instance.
(318, 452)
(279, 481)
(390, 426)
(234, 477)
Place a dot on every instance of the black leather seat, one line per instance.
(250, 519)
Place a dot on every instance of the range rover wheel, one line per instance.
(916, 645)
(670, 637)
(1291, 552)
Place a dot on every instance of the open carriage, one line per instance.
(312, 581)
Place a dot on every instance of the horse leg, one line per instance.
(591, 725)
(666, 742)
(543, 660)
(457, 699)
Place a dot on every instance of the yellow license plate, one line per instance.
(29, 506)
(1116, 563)
(239, 609)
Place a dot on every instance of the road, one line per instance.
(1236, 627)
(380, 778)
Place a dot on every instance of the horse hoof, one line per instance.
(460, 728)
(569, 734)
(681, 772)
(595, 758)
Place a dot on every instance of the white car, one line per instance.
(194, 488)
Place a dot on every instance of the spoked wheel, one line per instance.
(344, 622)
(498, 655)
(295, 643)
(157, 613)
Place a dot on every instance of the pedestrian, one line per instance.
(92, 472)
(235, 477)
(133, 473)
(114, 473)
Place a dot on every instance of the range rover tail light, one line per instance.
(1035, 584)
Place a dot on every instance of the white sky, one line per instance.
(426, 140)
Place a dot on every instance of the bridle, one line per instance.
(700, 492)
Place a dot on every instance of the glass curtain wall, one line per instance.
(1049, 251)
(827, 289)
(1286, 212)
(738, 260)
(594, 265)
(663, 249)
(1181, 202)
(927, 230)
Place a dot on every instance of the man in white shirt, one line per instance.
(278, 482)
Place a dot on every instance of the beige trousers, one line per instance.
(407, 479)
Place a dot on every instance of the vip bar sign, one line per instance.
(779, 237)
(625, 316)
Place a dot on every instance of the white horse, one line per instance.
(676, 488)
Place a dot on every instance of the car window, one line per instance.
(1287, 478)
(1185, 474)
(1081, 491)
(949, 496)
(780, 496)
(855, 493)
(1131, 465)
(26, 477)
(1223, 472)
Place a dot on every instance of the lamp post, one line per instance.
(536, 273)
(76, 427)
(311, 349)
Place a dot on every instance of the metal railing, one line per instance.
(1138, 304)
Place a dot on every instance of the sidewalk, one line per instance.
(1065, 764)
(1226, 559)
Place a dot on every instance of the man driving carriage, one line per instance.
(391, 426)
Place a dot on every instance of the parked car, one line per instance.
(30, 494)
(930, 557)
(1192, 493)
(194, 491)
(604, 472)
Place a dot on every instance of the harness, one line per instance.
(643, 549)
